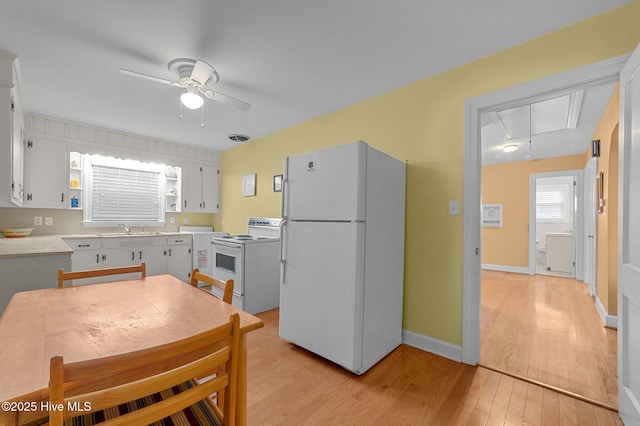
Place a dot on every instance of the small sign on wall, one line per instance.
(492, 215)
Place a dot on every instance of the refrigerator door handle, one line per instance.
(285, 181)
(283, 260)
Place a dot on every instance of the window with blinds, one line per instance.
(124, 191)
(552, 205)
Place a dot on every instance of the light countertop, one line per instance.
(54, 244)
(33, 246)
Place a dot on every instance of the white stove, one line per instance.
(252, 260)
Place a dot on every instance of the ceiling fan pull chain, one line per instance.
(529, 127)
(180, 115)
(202, 119)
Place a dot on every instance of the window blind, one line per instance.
(125, 195)
(551, 206)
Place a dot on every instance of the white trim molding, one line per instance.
(434, 346)
(507, 268)
(591, 75)
(609, 320)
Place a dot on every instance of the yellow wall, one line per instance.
(607, 132)
(508, 184)
(424, 124)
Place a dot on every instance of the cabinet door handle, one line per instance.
(97, 258)
(133, 255)
(104, 257)
(62, 197)
(204, 204)
(185, 203)
(84, 245)
(140, 254)
(169, 252)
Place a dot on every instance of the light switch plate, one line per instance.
(48, 221)
(37, 220)
(453, 207)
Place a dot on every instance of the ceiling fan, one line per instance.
(195, 77)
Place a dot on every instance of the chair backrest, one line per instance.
(66, 276)
(102, 383)
(227, 287)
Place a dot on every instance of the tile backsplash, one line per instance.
(65, 221)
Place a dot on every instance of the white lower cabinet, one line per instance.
(86, 255)
(179, 257)
(127, 251)
(161, 255)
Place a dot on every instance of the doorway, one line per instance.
(556, 213)
(595, 74)
(605, 72)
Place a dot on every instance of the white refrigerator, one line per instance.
(342, 254)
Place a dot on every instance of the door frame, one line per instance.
(591, 75)
(577, 204)
(590, 227)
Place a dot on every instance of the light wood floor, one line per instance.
(290, 386)
(548, 329)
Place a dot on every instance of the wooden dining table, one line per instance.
(97, 320)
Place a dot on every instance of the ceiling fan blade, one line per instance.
(201, 72)
(217, 96)
(148, 77)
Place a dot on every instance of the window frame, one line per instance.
(125, 164)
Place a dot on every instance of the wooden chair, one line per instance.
(106, 385)
(226, 287)
(66, 276)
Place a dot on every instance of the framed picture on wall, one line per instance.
(277, 183)
(492, 215)
(249, 185)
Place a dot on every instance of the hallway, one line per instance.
(547, 329)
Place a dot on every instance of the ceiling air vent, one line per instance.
(238, 138)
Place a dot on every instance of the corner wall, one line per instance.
(607, 132)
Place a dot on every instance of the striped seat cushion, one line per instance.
(198, 414)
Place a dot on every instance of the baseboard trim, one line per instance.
(505, 268)
(434, 346)
(610, 321)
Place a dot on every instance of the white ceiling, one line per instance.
(292, 60)
(546, 144)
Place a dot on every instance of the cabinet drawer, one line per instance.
(179, 240)
(83, 243)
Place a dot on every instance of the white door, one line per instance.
(326, 184)
(590, 226)
(629, 244)
(321, 289)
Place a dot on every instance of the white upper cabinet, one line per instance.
(45, 174)
(200, 189)
(11, 131)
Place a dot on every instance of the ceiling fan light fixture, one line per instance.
(510, 148)
(191, 99)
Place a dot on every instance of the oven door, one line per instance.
(227, 263)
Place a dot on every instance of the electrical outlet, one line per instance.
(453, 207)
(48, 221)
(37, 220)
(186, 220)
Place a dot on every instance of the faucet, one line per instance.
(142, 226)
(127, 228)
